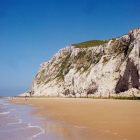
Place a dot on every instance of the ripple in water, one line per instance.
(16, 123)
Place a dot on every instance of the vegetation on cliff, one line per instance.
(90, 43)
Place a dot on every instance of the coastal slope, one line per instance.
(93, 68)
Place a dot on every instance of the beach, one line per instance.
(99, 119)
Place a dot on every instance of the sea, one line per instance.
(17, 122)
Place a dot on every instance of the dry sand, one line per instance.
(105, 119)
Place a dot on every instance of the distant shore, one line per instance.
(104, 119)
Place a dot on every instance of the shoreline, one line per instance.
(105, 119)
(96, 97)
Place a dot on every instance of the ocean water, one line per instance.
(18, 123)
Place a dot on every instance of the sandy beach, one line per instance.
(103, 119)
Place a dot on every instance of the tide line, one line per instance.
(42, 131)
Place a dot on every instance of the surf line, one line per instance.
(42, 131)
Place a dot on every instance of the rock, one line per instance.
(133, 92)
(95, 68)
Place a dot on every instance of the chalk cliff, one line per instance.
(93, 68)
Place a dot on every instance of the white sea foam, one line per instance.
(19, 122)
(4, 113)
(42, 131)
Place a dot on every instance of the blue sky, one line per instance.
(32, 31)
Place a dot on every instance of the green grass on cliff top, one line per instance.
(90, 43)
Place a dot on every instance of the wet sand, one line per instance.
(103, 119)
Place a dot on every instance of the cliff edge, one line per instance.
(93, 68)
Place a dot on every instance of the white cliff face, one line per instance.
(110, 68)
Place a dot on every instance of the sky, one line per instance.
(32, 31)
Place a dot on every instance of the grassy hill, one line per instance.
(90, 43)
